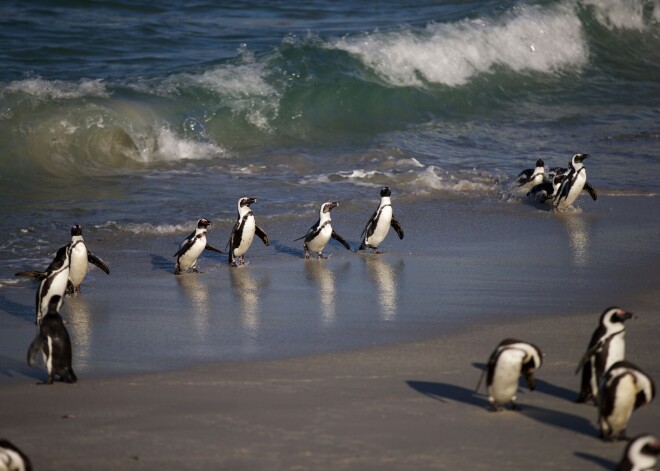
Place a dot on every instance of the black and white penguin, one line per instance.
(192, 247)
(532, 176)
(640, 454)
(80, 259)
(380, 222)
(54, 344)
(546, 191)
(320, 233)
(623, 389)
(54, 283)
(12, 458)
(508, 361)
(243, 232)
(575, 180)
(606, 347)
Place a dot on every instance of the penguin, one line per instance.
(79, 258)
(192, 247)
(546, 191)
(640, 454)
(320, 233)
(379, 224)
(12, 458)
(510, 359)
(575, 180)
(532, 176)
(54, 344)
(243, 232)
(623, 389)
(54, 282)
(606, 347)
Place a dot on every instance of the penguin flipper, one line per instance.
(397, 227)
(36, 347)
(262, 235)
(91, 258)
(188, 243)
(340, 239)
(35, 275)
(370, 226)
(591, 190)
(311, 232)
(213, 249)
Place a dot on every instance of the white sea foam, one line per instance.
(174, 148)
(625, 14)
(527, 39)
(148, 229)
(57, 89)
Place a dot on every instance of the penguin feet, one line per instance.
(322, 257)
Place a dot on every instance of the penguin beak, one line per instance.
(251, 200)
(625, 315)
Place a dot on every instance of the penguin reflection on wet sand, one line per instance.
(379, 224)
(243, 232)
(12, 458)
(640, 454)
(510, 359)
(320, 233)
(54, 343)
(192, 247)
(606, 347)
(623, 389)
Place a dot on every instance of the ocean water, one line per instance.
(136, 118)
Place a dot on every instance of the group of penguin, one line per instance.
(559, 186)
(617, 387)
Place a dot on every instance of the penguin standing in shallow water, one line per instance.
(623, 389)
(640, 454)
(12, 458)
(54, 283)
(54, 344)
(243, 232)
(575, 180)
(192, 247)
(532, 176)
(80, 257)
(379, 224)
(320, 233)
(510, 359)
(606, 347)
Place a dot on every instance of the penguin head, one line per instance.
(578, 158)
(540, 163)
(329, 206)
(76, 230)
(641, 447)
(245, 201)
(614, 315)
(203, 223)
(385, 191)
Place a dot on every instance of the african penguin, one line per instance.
(623, 389)
(54, 283)
(54, 344)
(640, 454)
(320, 233)
(606, 347)
(12, 458)
(192, 247)
(546, 191)
(243, 232)
(575, 180)
(532, 176)
(379, 224)
(80, 257)
(510, 359)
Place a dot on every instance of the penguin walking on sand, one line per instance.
(243, 232)
(606, 347)
(12, 458)
(54, 283)
(575, 180)
(380, 222)
(79, 257)
(640, 454)
(320, 233)
(54, 344)
(508, 361)
(623, 389)
(192, 247)
(532, 176)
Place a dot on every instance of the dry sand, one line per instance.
(408, 406)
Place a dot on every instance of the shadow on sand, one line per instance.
(597, 460)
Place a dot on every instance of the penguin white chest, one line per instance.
(246, 236)
(78, 265)
(320, 241)
(382, 227)
(505, 380)
(624, 402)
(617, 350)
(576, 188)
(188, 259)
(51, 286)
